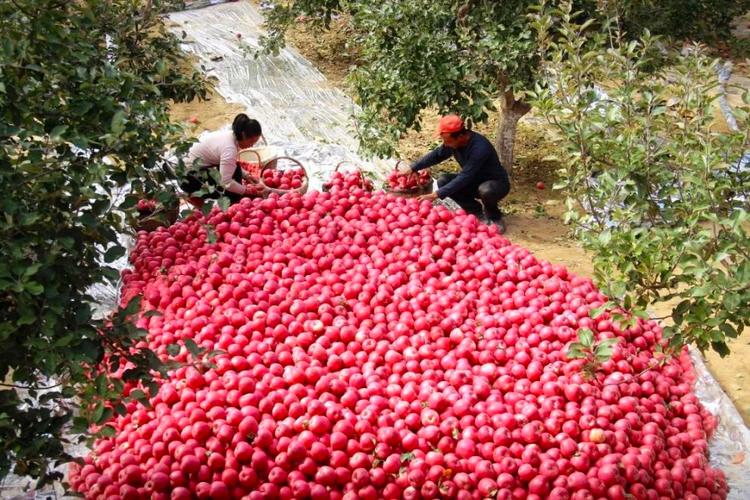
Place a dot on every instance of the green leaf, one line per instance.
(114, 253)
(604, 349)
(33, 287)
(597, 311)
(28, 316)
(721, 348)
(141, 397)
(133, 306)
(576, 351)
(117, 125)
(29, 219)
(31, 270)
(80, 425)
(728, 330)
(105, 416)
(640, 313)
(224, 203)
(107, 431)
(173, 349)
(193, 348)
(211, 237)
(57, 132)
(586, 337)
(98, 412)
(605, 237)
(608, 342)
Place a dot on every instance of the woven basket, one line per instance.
(301, 190)
(410, 193)
(251, 158)
(358, 170)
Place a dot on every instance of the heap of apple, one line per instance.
(362, 345)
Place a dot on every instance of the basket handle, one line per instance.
(399, 162)
(344, 162)
(248, 151)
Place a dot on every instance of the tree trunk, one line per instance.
(505, 137)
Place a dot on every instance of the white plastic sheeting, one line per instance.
(732, 438)
(301, 113)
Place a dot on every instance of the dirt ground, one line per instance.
(533, 216)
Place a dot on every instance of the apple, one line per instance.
(540, 185)
(596, 436)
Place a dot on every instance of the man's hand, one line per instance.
(404, 168)
(428, 197)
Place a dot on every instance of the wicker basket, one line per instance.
(410, 193)
(301, 190)
(251, 158)
(358, 170)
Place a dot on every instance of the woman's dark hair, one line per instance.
(245, 127)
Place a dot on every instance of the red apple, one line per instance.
(596, 436)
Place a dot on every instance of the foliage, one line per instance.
(594, 353)
(462, 56)
(83, 92)
(701, 20)
(424, 54)
(658, 195)
(452, 56)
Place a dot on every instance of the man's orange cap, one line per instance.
(449, 124)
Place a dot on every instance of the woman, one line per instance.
(215, 157)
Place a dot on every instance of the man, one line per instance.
(482, 176)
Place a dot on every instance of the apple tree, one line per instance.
(656, 192)
(463, 56)
(84, 90)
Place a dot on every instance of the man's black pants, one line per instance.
(489, 192)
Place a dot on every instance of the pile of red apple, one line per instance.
(292, 178)
(372, 346)
(408, 182)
